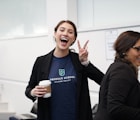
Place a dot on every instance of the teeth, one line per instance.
(64, 39)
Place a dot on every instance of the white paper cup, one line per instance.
(47, 84)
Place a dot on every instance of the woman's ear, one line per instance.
(54, 38)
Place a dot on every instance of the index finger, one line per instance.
(85, 45)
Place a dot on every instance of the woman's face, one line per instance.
(133, 54)
(64, 36)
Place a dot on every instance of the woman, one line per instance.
(68, 73)
(119, 96)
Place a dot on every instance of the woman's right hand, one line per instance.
(38, 91)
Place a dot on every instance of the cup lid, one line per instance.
(45, 82)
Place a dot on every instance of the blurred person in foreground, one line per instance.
(119, 95)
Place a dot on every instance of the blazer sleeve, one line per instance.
(94, 73)
(33, 79)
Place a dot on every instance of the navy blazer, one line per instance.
(41, 71)
(119, 97)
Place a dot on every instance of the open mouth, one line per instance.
(64, 40)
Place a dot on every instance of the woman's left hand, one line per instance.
(83, 53)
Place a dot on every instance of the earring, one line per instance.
(122, 55)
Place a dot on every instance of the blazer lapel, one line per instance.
(46, 64)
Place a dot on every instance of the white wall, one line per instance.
(18, 56)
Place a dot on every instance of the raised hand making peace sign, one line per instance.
(83, 53)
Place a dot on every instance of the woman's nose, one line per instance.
(65, 32)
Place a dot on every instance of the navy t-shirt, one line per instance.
(63, 99)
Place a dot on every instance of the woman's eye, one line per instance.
(61, 30)
(71, 32)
